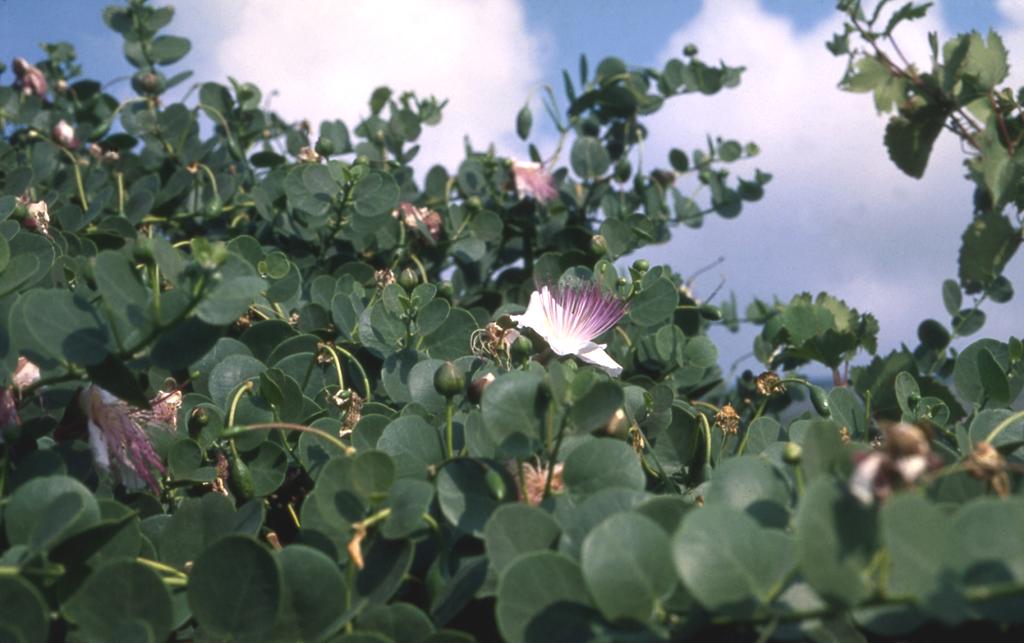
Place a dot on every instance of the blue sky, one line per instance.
(837, 217)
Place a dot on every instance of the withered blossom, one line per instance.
(904, 456)
(532, 480)
(119, 444)
(30, 79)
(532, 180)
(728, 420)
(413, 217)
(64, 134)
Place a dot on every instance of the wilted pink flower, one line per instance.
(569, 318)
(118, 443)
(8, 409)
(412, 216)
(904, 457)
(534, 481)
(25, 374)
(38, 217)
(30, 79)
(163, 409)
(534, 181)
(309, 155)
(98, 153)
(64, 134)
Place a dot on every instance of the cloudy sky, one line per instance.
(837, 216)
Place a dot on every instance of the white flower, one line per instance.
(532, 180)
(569, 318)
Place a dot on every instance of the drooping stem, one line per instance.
(999, 428)
(287, 426)
(359, 367)
(449, 431)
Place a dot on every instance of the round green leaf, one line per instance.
(413, 444)
(375, 194)
(314, 591)
(235, 588)
(542, 597)
(408, 500)
(515, 529)
(117, 595)
(626, 565)
(729, 562)
(601, 463)
(25, 612)
(466, 500)
(512, 406)
(43, 511)
(588, 158)
(750, 484)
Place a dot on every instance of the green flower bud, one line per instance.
(495, 484)
(820, 400)
(408, 279)
(690, 50)
(142, 251)
(598, 244)
(324, 146)
(449, 380)
(591, 127)
(240, 479)
(149, 82)
(623, 170)
(641, 265)
(213, 207)
(446, 290)
(522, 348)
(792, 453)
(474, 203)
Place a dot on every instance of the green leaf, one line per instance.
(120, 594)
(655, 303)
(592, 410)
(515, 529)
(987, 245)
(235, 588)
(589, 158)
(513, 405)
(398, 621)
(314, 590)
(601, 463)
(951, 296)
(166, 50)
(464, 495)
(748, 483)
(60, 325)
(44, 511)
(26, 614)
(413, 444)
(909, 140)
(730, 563)
(624, 566)
(197, 523)
(375, 194)
(542, 597)
(408, 500)
(993, 379)
(837, 539)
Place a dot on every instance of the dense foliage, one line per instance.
(259, 383)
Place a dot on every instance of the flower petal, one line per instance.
(596, 355)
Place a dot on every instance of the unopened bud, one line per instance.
(820, 400)
(64, 134)
(598, 244)
(792, 453)
(476, 388)
(408, 279)
(522, 348)
(618, 425)
(449, 380)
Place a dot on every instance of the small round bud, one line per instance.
(446, 290)
(198, 419)
(474, 203)
(408, 279)
(623, 170)
(522, 348)
(149, 82)
(820, 400)
(690, 50)
(618, 425)
(791, 453)
(213, 207)
(641, 265)
(240, 479)
(449, 380)
(362, 159)
(598, 244)
(591, 127)
(324, 146)
(378, 136)
(621, 281)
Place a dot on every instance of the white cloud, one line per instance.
(325, 58)
(838, 215)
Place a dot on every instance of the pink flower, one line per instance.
(412, 217)
(569, 318)
(25, 374)
(532, 180)
(118, 443)
(534, 481)
(30, 79)
(64, 134)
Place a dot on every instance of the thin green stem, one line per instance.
(288, 426)
(242, 390)
(707, 439)
(449, 431)
(999, 428)
(337, 364)
(362, 373)
(746, 433)
(160, 567)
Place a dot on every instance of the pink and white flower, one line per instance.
(118, 443)
(30, 79)
(25, 374)
(569, 318)
(64, 134)
(532, 180)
